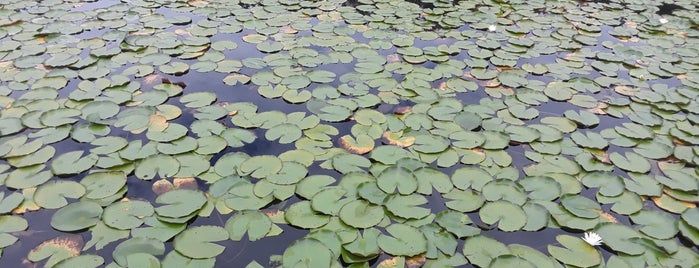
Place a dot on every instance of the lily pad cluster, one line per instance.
(397, 133)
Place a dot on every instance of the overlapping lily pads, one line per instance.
(392, 132)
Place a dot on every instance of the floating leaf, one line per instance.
(576, 252)
(126, 215)
(631, 162)
(510, 217)
(361, 214)
(179, 203)
(404, 240)
(57, 249)
(195, 242)
(136, 245)
(254, 223)
(72, 163)
(53, 195)
(307, 252)
(76, 216)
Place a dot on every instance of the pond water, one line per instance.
(389, 133)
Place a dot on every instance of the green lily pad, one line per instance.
(72, 163)
(307, 252)
(302, 215)
(576, 252)
(137, 245)
(195, 242)
(631, 162)
(126, 215)
(509, 216)
(361, 214)
(179, 203)
(404, 240)
(254, 223)
(53, 195)
(76, 216)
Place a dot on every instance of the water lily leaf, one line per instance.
(195, 242)
(470, 177)
(99, 185)
(170, 133)
(126, 215)
(56, 250)
(269, 47)
(174, 68)
(397, 178)
(429, 178)
(162, 165)
(28, 177)
(361, 145)
(143, 260)
(481, 250)
(635, 131)
(589, 140)
(430, 144)
(102, 235)
(407, 206)
(509, 216)
(87, 261)
(329, 200)
(10, 126)
(464, 200)
(581, 206)
(53, 195)
(157, 229)
(41, 156)
(301, 214)
(175, 259)
(509, 261)
(361, 214)
(691, 217)
(286, 133)
(11, 223)
(72, 163)
(137, 245)
(10, 202)
(655, 224)
(404, 240)
(179, 203)
(365, 245)
(76, 216)
(256, 224)
(241, 196)
(584, 118)
(261, 166)
(608, 183)
(60, 116)
(678, 180)
(576, 252)
(307, 252)
(621, 238)
(236, 78)
(456, 223)
(321, 76)
(198, 99)
(631, 162)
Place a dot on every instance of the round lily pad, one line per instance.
(76, 216)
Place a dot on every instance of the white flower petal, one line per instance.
(492, 28)
(663, 20)
(593, 239)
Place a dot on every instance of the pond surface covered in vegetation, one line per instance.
(391, 133)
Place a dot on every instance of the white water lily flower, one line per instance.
(492, 28)
(593, 239)
(663, 20)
